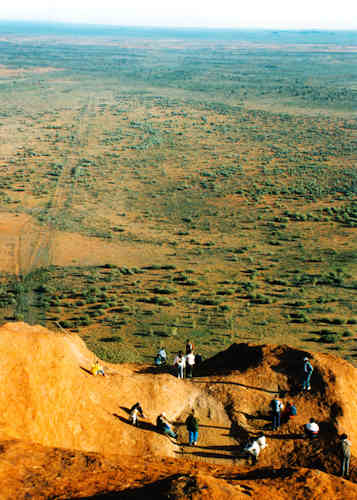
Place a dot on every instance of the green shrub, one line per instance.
(164, 291)
(347, 333)
(298, 317)
(330, 339)
(226, 291)
(258, 298)
(206, 301)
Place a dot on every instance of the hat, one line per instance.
(306, 359)
(163, 414)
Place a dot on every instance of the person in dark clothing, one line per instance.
(198, 359)
(189, 347)
(345, 455)
(192, 427)
(308, 369)
(276, 407)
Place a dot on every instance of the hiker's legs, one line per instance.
(254, 458)
(345, 466)
(180, 371)
(169, 432)
(306, 384)
(276, 420)
(190, 437)
(311, 435)
(189, 371)
(134, 419)
(195, 437)
(172, 434)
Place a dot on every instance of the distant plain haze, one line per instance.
(273, 14)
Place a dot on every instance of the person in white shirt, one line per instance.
(255, 446)
(180, 364)
(134, 412)
(312, 428)
(163, 355)
(261, 440)
(190, 361)
(252, 448)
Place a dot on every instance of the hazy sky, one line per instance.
(285, 14)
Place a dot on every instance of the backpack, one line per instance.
(293, 411)
(275, 405)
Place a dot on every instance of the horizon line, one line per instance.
(174, 27)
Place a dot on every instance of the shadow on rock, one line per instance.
(140, 425)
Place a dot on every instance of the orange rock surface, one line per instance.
(65, 433)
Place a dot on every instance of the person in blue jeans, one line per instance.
(180, 363)
(308, 369)
(164, 426)
(276, 407)
(192, 427)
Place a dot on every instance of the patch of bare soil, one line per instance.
(12, 72)
(25, 245)
(74, 248)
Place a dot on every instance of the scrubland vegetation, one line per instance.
(229, 167)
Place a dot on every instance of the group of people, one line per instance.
(280, 412)
(164, 426)
(283, 413)
(184, 363)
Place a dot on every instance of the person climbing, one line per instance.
(252, 450)
(164, 426)
(345, 455)
(134, 411)
(190, 362)
(261, 440)
(192, 427)
(189, 346)
(276, 406)
(97, 369)
(158, 360)
(312, 428)
(180, 364)
(308, 369)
